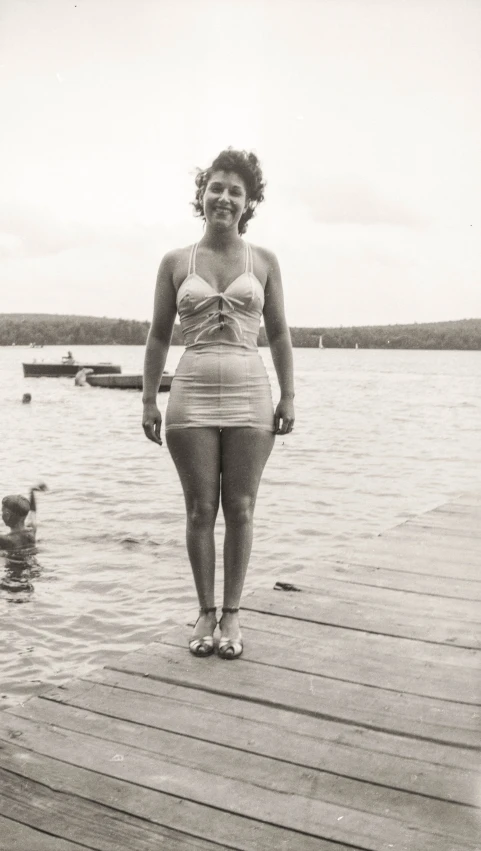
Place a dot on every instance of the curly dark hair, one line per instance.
(246, 165)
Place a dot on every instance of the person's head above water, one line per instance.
(15, 508)
(26, 398)
(247, 190)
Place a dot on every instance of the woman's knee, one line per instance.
(202, 513)
(238, 510)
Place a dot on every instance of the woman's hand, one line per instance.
(285, 413)
(151, 422)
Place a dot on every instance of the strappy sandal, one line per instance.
(230, 648)
(203, 646)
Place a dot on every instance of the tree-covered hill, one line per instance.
(22, 329)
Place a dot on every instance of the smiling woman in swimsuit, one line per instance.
(220, 420)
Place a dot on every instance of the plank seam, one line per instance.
(350, 581)
(342, 844)
(113, 809)
(410, 572)
(295, 710)
(257, 753)
(127, 688)
(49, 832)
(262, 611)
(389, 689)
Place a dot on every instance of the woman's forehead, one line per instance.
(230, 177)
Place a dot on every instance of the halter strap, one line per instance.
(193, 253)
(249, 260)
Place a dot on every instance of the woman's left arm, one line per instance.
(279, 339)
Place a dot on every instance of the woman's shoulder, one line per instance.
(264, 258)
(176, 264)
(263, 253)
(177, 256)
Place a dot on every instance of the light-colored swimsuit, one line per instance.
(221, 380)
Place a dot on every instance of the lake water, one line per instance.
(380, 436)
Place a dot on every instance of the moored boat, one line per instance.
(127, 382)
(68, 366)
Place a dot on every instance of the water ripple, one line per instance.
(380, 436)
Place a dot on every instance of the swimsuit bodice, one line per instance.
(230, 318)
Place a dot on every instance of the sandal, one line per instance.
(202, 646)
(230, 648)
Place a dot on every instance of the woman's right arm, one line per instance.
(158, 342)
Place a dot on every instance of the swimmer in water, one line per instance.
(15, 509)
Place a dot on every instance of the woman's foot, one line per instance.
(230, 644)
(202, 640)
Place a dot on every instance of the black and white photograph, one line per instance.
(240, 431)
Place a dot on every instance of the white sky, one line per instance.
(366, 115)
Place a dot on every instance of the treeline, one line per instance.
(458, 334)
(49, 329)
(53, 330)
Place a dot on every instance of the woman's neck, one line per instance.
(221, 240)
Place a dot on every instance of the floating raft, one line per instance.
(127, 382)
(351, 721)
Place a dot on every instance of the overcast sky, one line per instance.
(366, 115)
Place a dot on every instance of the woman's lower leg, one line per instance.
(196, 454)
(244, 455)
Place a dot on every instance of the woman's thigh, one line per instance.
(196, 453)
(244, 453)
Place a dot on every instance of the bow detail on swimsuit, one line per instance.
(217, 319)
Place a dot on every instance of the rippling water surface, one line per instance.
(380, 436)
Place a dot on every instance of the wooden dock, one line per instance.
(351, 722)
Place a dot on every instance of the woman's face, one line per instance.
(225, 199)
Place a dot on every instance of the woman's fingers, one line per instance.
(286, 427)
(152, 429)
(284, 417)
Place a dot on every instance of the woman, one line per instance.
(220, 422)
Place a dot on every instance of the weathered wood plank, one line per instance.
(416, 555)
(319, 725)
(450, 511)
(311, 742)
(90, 824)
(15, 836)
(418, 717)
(472, 498)
(363, 615)
(385, 575)
(431, 670)
(465, 546)
(460, 508)
(427, 606)
(459, 526)
(225, 828)
(337, 810)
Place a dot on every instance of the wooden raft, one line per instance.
(351, 722)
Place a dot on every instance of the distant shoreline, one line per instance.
(25, 329)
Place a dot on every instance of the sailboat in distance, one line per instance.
(320, 342)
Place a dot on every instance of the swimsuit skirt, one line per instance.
(221, 380)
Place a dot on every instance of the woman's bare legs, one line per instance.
(196, 453)
(244, 453)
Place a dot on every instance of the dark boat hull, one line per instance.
(59, 370)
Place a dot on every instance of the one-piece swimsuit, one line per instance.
(221, 380)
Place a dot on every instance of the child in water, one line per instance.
(15, 509)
